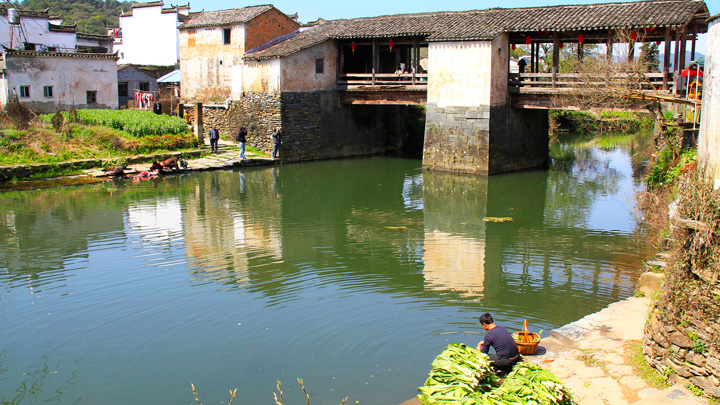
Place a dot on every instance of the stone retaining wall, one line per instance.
(684, 352)
(314, 125)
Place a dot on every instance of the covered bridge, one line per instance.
(457, 63)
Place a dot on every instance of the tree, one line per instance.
(91, 16)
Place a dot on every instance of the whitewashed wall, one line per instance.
(262, 76)
(70, 76)
(298, 69)
(709, 138)
(149, 37)
(461, 72)
(34, 30)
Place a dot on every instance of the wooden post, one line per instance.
(676, 71)
(556, 58)
(180, 110)
(416, 59)
(609, 53)
(681, 66)
(199, 122)
(374, 59)
(580, 51)
(694, 39)
(666, 59)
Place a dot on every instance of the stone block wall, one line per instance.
(683, 352)
(457, 139)
(258, 112)
(315, 125)
(485, 140)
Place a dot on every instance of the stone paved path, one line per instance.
(592, 356)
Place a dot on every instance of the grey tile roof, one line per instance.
(486, 24)
(226, 17)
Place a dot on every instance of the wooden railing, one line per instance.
(383, 79)
(559, 82)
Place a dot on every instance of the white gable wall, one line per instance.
(149, 37)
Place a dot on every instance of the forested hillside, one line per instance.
(91, 16)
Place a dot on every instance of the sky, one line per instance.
(311, 10)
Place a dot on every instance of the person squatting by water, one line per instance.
(275, 136)
(214, 136)
(506, 351)
(242, 137)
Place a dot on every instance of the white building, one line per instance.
(148, 34)
(47, 65)
(46, 81)
(39, 31)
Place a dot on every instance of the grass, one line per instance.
(643, 370)
(41, 144)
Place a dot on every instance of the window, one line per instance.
(144, 86)
(122, 89)
(52, 49)
(91, 96)
(29, 46)
(319, 68)
(48, 91)
(25, 91)
(226, 36)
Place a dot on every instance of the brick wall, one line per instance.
(266, 27)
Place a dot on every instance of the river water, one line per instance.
(351, 274)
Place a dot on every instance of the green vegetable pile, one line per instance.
(463, 376)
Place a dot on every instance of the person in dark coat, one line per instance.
(242, 138)
(157, 108)
(214, 136)
(275, 136)
(506, 351)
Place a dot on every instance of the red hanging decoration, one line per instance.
(527, 40)
(513, 47)
(562, 44)
(352, 46)
(633, 36)
(657, 42)
(581, 38)
(391, 44)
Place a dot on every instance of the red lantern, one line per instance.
(527, 40)
(391, 44)
(513, 47)
(352, 46)
(561, 45)
(657, 42)
(633, 36)
(581, 38)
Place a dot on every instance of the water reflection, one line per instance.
(359, 256)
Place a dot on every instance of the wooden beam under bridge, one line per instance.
(384, 97)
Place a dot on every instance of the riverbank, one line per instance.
(198, 160)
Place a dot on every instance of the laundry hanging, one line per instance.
(144, 100)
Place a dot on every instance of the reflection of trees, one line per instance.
(41, 229)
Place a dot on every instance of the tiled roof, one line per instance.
(62, 28)
(66, 55)
(486, 24)
(93, 37)
(226, 17)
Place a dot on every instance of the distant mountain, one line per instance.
(91, 16)
(672, 59)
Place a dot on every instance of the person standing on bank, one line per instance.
(242, 137)
(506, 351)
(157, 107)
(214, 136)
(275, 136)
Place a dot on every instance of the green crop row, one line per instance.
(134, 122)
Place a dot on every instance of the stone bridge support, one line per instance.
(470, 126)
